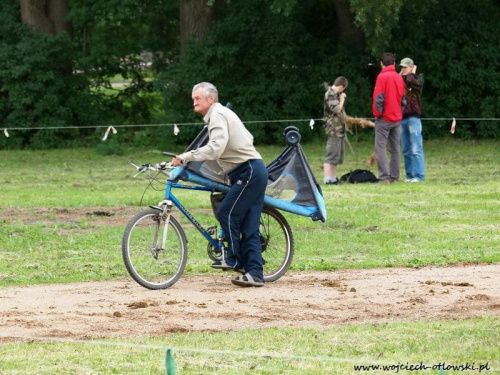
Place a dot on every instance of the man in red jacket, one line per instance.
(387, 105)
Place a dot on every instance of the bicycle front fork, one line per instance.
(166, 207)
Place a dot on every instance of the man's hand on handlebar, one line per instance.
(176, 162)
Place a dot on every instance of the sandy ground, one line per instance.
(122, 308)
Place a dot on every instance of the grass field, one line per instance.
(452, 217)
(272, 351)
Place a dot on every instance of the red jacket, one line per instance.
(387, 100)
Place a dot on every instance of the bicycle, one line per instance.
(154, 245)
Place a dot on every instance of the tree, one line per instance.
(270, 65)
(48, 16)
(377, 19)
(195, 19)
(345, 26)
(38, 88)
(455, 45)
(62, 55)
(267, 57)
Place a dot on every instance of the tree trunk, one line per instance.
(195, 19)
(346, 30)
(47, 16)
(33, 13)
(57, 11)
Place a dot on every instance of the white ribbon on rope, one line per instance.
(107, 132)
(176, 129)
(453, 124)
(6, 133)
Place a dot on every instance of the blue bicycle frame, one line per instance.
(308, 211)
(205, 184)
(169, 196)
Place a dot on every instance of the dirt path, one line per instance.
(122, 308)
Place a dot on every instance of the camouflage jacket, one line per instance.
(333, 118)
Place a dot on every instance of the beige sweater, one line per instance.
(230, 143)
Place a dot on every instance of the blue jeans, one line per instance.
(412, 147)
(239, 216)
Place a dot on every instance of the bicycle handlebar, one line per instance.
(166, 153)
(160, 167)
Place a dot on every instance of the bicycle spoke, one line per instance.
(150, 265)
(277, 244)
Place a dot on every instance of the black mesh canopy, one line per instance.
(290, 178)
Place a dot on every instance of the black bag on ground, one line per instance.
(358, 176)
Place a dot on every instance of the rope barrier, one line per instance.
(245, 122)
(311, 122)
(458, 118)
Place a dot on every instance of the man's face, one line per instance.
(406, 70)
(201, 102)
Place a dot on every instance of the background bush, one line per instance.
(269, 59)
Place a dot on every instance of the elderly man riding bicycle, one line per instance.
(231, 145)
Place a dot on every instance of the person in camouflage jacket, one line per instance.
(335, 121)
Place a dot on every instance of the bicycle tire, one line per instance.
(151, 268)
(277, 243)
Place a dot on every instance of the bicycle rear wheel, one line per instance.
(277, 243)
(147, 261)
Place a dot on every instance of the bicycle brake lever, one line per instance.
(131, 162)
(141, 169)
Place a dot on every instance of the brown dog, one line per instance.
(364, 123)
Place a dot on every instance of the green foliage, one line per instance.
(270, 66)
(59, 81)
(377, 19)
(283, 6)
(112, 34)
(459, 59)
(118, 38)
(38, 88)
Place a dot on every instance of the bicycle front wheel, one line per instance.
(277, 243)
(154, 249)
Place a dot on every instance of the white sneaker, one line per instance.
(412, 180)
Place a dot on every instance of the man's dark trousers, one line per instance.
(387, 134)
(239, 215)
